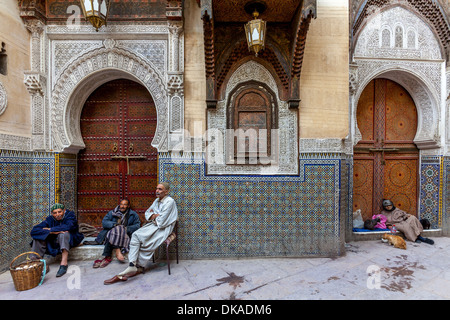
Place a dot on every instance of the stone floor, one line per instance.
(369, 270)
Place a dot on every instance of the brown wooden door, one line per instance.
(118, 123)
(386, 160)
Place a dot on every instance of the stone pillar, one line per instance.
(36, 84)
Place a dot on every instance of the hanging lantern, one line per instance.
(96, 11)
(255, 32)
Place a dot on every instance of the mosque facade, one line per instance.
(347, 104)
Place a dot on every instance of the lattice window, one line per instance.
(252, 113)
(411, 39)
(386, 38)
(176, 110)
(398, 37)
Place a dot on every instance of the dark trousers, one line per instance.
(40, 246)
(108, 249)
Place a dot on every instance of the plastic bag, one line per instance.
(357, 220)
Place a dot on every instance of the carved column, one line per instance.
(175, 84)
(36, 84)
(448, 106)
(353, 88)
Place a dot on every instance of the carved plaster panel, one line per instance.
(154, 51)
(447, 110)
(12, 142)
(424, 94)
(135, 29)
(397, 33)
(78, 80)
(82, 60)
(399, 46)
(287, 124)
(3, 99)
(64, 52)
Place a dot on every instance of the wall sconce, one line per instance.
(255, 30)
(96, 11)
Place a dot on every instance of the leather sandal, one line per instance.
(135, 273)
(105, 262)
(115, 279)
(97, 263)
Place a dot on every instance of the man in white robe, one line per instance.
(161, 218)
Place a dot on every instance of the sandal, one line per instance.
(97, 263)
(105, 262)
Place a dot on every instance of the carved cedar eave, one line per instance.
(430, 12)
(32, 10)
(208, 34)
(239, 54)
(308, 12)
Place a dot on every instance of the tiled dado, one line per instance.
(27, 191)
(432, 189)
(446, 192)
(253, 216)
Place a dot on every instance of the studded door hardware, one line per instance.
(131, 148)
(128, 158)
(115, 147)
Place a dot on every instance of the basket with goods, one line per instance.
(29, 273)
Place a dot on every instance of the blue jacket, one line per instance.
(109, 221)
(67, 223)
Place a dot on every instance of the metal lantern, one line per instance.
(255, 32)
(96, 11)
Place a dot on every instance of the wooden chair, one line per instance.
(167, 242)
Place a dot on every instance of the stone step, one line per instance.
(85, 252)
(376, 235)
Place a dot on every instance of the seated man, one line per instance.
(161, 216)
(406, 223)
(118, 226)
(57, 234)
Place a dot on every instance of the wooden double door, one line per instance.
(118, 123)
(386, 160)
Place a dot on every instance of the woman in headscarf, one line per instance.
(406, 223)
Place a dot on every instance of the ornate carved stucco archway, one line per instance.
(413, 60)
(88, 72)
(425, 99)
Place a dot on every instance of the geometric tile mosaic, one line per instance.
(27, 191)
(68, 181)
(446, 191)
(254, 215)
(223, 216)
(431, 191)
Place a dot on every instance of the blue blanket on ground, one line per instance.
(368, 230)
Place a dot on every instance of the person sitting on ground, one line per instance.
(58, 233)
(118, 226)
(406, 223)
(161, 218)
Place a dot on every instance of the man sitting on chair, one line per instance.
(161, 218)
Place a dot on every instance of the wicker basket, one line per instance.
(27, 274)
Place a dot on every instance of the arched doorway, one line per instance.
(386, 160)
(118, 122)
